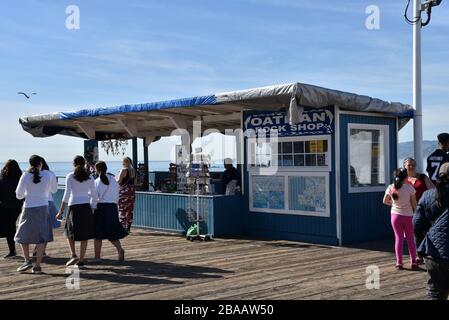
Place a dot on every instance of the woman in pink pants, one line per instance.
(401, 197)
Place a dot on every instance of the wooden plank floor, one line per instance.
(161, 266)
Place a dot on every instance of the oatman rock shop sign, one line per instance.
(311, 122)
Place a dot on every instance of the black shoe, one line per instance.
(36, 270)
(79, 264)
(10, 255)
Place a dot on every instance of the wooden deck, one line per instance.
(161, 266)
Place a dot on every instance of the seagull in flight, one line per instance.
(26, 95)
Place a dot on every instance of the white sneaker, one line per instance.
(25, 266)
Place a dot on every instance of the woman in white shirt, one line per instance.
(106, 219)
(34, 222)
(79, 225)
(51, 204)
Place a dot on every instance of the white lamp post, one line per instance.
(417, 97)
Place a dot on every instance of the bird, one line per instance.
(26, 95)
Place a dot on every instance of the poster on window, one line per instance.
(308, 193)
(268, 192)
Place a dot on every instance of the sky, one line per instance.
(141, 51)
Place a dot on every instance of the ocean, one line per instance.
(61, 169)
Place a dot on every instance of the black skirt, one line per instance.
(8, 221)
(107, 224)
(79, 224)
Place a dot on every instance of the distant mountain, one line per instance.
(406, 148)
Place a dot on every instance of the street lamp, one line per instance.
(417, 97)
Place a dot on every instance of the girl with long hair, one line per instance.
(401, 197)
(10, 206)
(127, 193)
(78, 196)
(106, 221)
(34, 223)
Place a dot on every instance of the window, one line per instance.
(300, 193)
(288, 153)
(368, 157)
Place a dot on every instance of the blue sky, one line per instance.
(141, 51)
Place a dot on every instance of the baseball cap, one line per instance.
(443, 137)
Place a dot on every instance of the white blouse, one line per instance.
(54, 186)
(107, 193)
(78, 192)
(35, 194)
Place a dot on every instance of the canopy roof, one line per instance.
(219, 111)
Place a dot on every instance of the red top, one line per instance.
(419, 185)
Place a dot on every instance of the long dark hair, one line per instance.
(45, 165)
(35, 162)
(102, 168)
(399, 177)
(442, 191)
(11, 169)
(80, 173)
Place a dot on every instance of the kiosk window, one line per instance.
(290, 152)
(368, 157)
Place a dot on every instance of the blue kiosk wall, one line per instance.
(364, 216)
(296, 227)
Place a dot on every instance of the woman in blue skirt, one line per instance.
(34, 223)
(106, 218)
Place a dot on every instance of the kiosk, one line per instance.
(315, 162)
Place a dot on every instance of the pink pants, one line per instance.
(400, 225)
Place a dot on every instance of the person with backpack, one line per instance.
(401, 197)
(431, 223)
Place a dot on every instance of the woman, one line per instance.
(34, 223)
(431, 220)
(127, 193)
(79, 225)
(421, 183)
(401, 197)
(106, 222)
(10, 206)
(51, 205)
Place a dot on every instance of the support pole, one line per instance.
(417, 97)
(145, 165)
(135, 153)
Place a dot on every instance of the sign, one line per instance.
(311, 122)
(268, 192)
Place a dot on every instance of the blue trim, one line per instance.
(169, 104)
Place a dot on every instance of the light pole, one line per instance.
(417, 96)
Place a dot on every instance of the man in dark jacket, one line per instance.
(230, 174)
(438, 157)
(431, 223)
